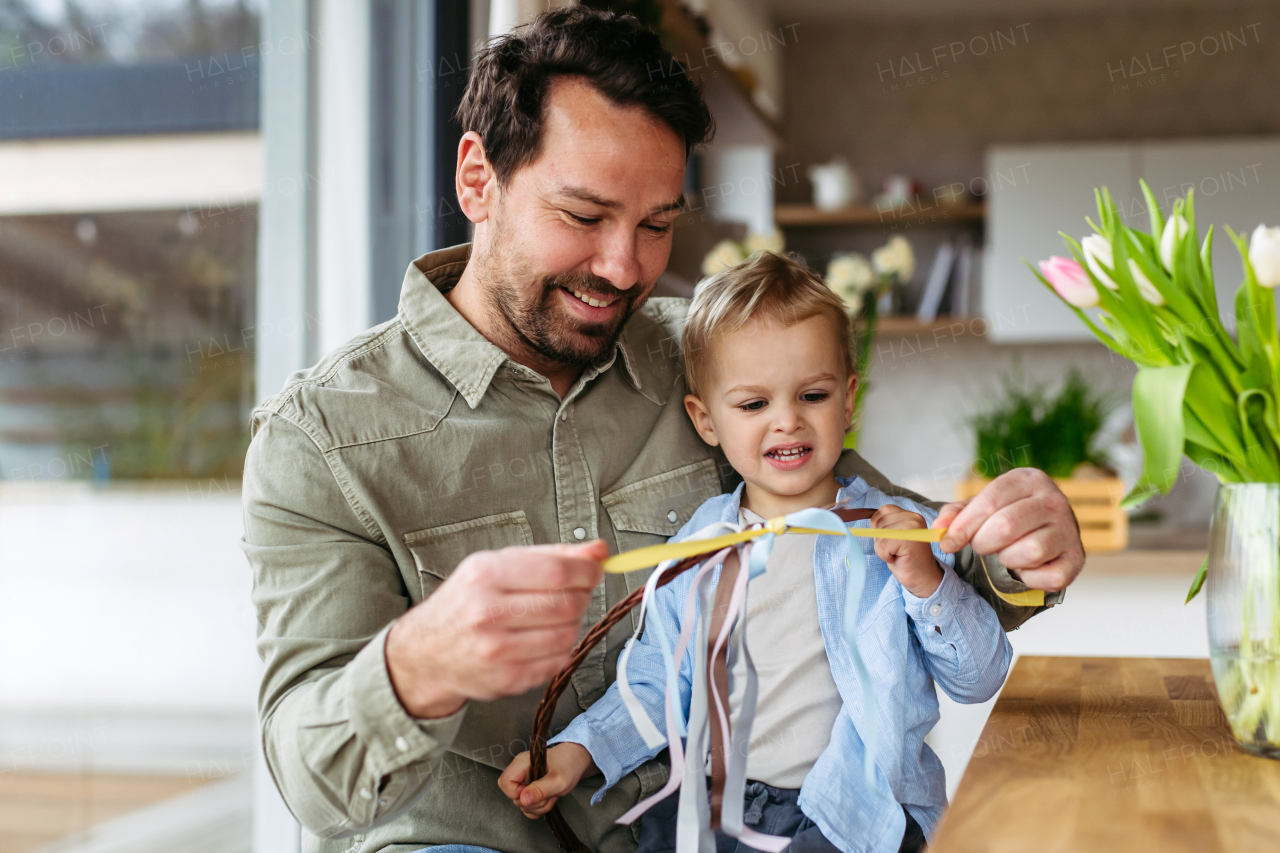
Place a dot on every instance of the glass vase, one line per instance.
(1243, 605)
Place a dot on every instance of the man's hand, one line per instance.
(503, 622)
(912, 563)
(1024, 518)
(567, 763)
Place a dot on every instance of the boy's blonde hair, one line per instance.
(764, 283)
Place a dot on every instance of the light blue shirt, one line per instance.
(952, 637)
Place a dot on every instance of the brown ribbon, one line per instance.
(848, 515)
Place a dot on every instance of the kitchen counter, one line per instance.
(1111, 754)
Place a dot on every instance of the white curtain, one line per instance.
(506, 15)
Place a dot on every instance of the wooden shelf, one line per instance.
(907, 324)
(808, 216)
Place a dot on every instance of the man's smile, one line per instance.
(592, 307)
(593, 300)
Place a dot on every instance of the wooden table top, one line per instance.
(1103, 754)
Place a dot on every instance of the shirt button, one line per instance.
(935, 610)
(671, 516)
(402, 744)
(579, 533)
(364, 792)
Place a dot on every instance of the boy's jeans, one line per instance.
(770, 810)
(773, 811)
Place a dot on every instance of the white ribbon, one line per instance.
(693, 833)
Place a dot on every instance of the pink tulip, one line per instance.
(1070, 281)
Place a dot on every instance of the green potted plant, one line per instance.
(1057, 434)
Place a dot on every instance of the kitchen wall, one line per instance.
(912, 96)
(928, 97)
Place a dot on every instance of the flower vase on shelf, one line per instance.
(867, 288)
(1243, 589)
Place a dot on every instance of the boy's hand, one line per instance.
(566, 764)
(912, 563)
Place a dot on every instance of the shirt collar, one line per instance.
(465, 357)
(852, 490)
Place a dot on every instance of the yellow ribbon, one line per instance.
(1026, 598)
(643, 558)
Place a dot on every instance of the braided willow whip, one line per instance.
(565, 835)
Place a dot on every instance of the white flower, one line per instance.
(895, 258)
(1097, 254)
(1145, 287)
(725, 254)
(1174, 230)
(852, 303)
(1264, 255)
(850, 276)
(770, 242)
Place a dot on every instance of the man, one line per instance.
(526, 398)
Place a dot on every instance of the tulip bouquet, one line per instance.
(1199, 391)
(861, 284)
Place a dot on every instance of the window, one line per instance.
(127, 344)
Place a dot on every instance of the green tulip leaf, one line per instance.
(1158, 394)
(1257, 412)
(1206, 273)
(1212, 421)
(1153, 210)
(1214, 431)
(1199, 580)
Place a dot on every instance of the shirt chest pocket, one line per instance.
(652, 510)
(437, 551)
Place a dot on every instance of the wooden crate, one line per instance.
(1104, 526)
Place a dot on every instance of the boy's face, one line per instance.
(779, 404)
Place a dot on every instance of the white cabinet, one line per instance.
(1236, 184)
(1037, 191)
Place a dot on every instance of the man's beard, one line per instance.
(548, 329)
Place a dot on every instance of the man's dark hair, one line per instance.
(506, 93)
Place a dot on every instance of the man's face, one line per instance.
(576, 240)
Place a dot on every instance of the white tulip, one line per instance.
(725, 254)
(1174, 230)
(1145, 287)
(850, 272)
(1097, 254)
(1264, 255)
(895, 258)
(771, 241)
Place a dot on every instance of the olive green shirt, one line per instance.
(372, 475)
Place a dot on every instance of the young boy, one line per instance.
(771, 381)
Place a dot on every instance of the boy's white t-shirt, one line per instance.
(798, 702)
